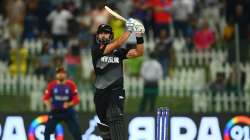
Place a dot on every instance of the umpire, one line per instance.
(108, 56)
(61, 96)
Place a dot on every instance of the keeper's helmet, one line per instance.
(104, 28)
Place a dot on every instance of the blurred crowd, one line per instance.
(67, 27)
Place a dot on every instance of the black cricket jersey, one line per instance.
(108, 68)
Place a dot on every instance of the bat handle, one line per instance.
(125, 20)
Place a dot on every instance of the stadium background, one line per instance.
(205, 62)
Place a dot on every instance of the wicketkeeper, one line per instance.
(108, 57)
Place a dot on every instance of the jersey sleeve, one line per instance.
(74, 90)
(96, 52)
(73, 87)
(121, 53)
(47, 93)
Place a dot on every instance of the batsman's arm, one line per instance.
(138, 50)
(117, 43)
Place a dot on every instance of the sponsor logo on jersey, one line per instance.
(110, 59)
(62, 98)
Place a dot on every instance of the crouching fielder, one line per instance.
(108, 56)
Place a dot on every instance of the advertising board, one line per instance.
(30, 126)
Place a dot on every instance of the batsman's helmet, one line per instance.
(106, 29)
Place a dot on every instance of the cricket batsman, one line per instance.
(61, 96)
(108, 56)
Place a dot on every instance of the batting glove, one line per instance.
(138, 27)
(130, 24)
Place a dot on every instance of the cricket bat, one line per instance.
(115, 14)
